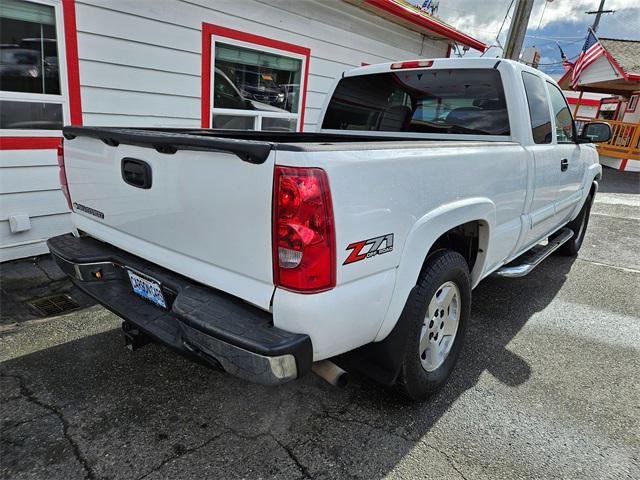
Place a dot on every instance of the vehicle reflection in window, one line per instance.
(228, 95)
(259, 76)
(28, 48)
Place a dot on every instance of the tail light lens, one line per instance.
(62, 173)
(304, 255)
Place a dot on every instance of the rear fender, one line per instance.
(419, 241)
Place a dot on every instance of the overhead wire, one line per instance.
(498, 43)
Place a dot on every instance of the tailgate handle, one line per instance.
(136, 173)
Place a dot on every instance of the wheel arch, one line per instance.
(420, 242)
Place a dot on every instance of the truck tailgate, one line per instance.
(206, 213)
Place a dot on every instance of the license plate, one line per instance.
(147, 289)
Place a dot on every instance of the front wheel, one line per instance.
(438, 310)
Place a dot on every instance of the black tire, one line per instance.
(579, 227)
(443, 266)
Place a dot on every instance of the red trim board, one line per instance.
(615, 64)
(73, 71)
(209, 29)
(73, 87)
(29, 143)
(585, 101)
(427, 23)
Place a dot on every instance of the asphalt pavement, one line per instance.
(548, 386)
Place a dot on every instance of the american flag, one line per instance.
(591, 51)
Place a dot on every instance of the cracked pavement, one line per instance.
(548, 386)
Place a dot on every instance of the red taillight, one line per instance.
(412, 64)
(62, 173)
(304, 254)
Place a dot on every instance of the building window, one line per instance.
(30, 84)
(264, 86)
(633, 103)
(253, 83)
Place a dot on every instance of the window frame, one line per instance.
(212, 34)
(633, 101)
(63, 98)
(554, 131)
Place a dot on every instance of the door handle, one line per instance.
(564, 165)
(136, 173)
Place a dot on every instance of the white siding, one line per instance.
(29, 185)
(599, 71)
(140, 59)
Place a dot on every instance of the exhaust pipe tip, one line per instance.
(331, 373)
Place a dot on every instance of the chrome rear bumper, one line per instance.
(199, 321)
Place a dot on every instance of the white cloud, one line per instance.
(482, 19)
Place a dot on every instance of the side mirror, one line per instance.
(595, 132)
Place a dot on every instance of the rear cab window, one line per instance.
(463, 101)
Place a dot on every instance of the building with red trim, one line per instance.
(589, 103)
(615, 77)
(616, 72)
(213, 64)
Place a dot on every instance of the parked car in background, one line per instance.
(228, 95)
(257, 85)
(23, 65)
(17, 64)
(360, 244)
(290, 94)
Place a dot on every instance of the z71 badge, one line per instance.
(369, 248)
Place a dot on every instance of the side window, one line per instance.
(538, 108)
(562, 114)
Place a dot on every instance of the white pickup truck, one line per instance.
(264, 252)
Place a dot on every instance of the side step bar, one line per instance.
(525, 263)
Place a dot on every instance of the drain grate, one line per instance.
(54, 305)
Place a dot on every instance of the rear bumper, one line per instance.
(199, 321)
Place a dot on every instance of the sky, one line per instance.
(562, 21)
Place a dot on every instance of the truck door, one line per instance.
(541, 216)
(570, 167)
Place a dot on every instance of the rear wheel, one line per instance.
(579, 228)
(439, 312)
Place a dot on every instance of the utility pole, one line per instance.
(517, 29)
(598, 13)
